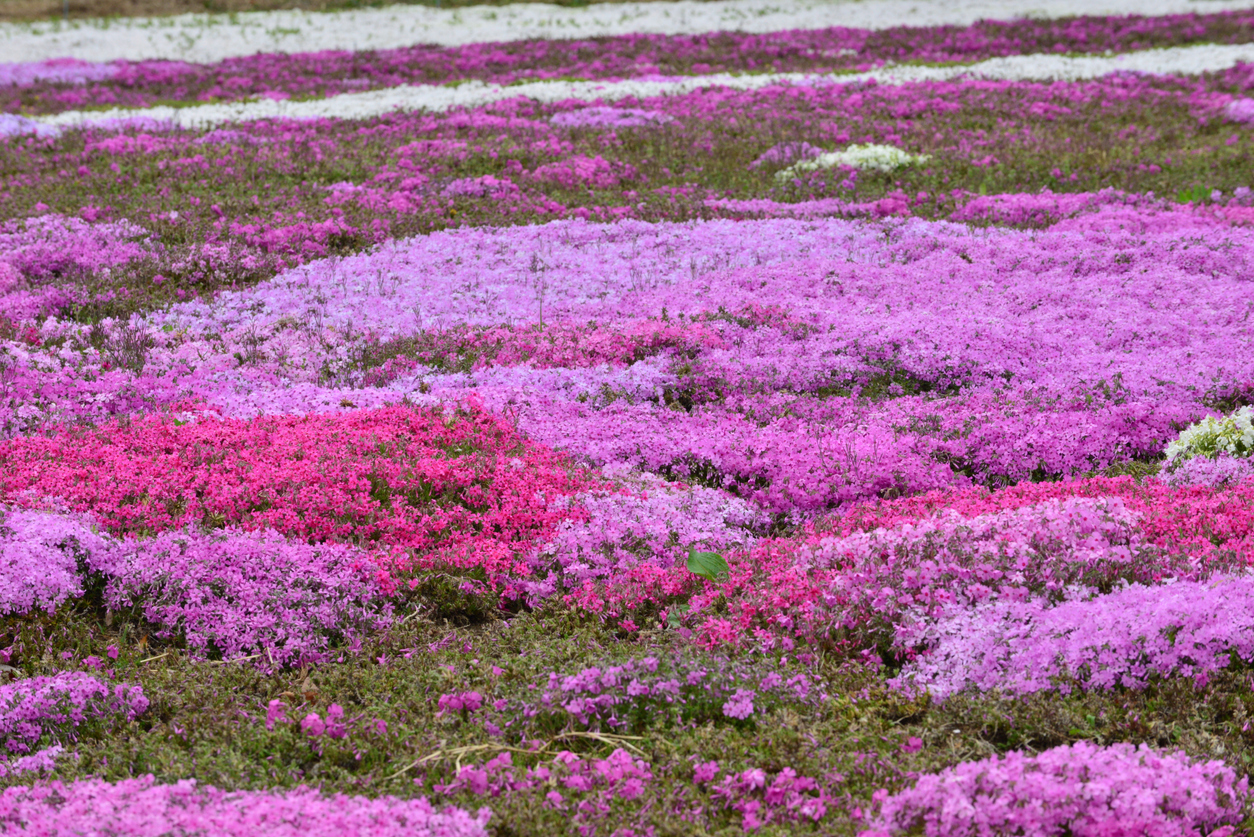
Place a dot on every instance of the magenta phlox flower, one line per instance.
(51, 708)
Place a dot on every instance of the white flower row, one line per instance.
(207, 38)
(1179, 60)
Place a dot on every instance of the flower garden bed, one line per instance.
(675, 428)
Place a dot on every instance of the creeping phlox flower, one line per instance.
(40, 761)
(630, 696)
(226, 591)
(652, 524)
(876, 157)
(760, 799)
(39, 556)
(49, 709)
(786, 152)
(462, 488)
(1240, 110)
(1224, 469)
(1232, 434)
(1124, 638)
(135, 806)
(1081, 790)
(12, 125)
(601, 781)
(608, 117)
(866, 582)
(247, 593)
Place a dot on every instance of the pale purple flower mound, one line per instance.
(42, 761)
(57, 70)
(238, 593)
(609, 117)
(36, 707)
(1240, 110)
(39, 555)
(480, 187)
(1124, 638)
(142, 808)
(1224, 469)
(786, 152)
(1081, 790)
(654, 525)
(951, 561)
(12, 125)
(39, 254)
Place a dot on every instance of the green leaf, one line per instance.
(675, 617)
(708, 565)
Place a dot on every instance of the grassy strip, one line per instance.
(207, 721)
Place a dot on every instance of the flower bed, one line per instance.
(658, 430)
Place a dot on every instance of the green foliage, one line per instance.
(709, 565)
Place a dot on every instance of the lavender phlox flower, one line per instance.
(1223, 469)
(141, 805)
(1124, 638)
(1081, 789)
(12, 125)
(786, 152)
(241, 594)
(40, 553)
(600, 116)
(1240, 110)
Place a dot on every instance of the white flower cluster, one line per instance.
(878, 157)
(1232, 434)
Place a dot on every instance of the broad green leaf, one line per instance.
(708, 565)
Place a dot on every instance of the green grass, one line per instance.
(206, 719)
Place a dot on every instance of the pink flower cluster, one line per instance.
(1124, 638)
(615, 697)
(40, 556)
(762, 800)
(1211, 527)
(585, 172)
(142, 808)
(860, 585)
(600, 116)
(230, 593)
(48, 709)
(855, 577)
(424, 486)
(1083, 790)
(652, 523)
(619, 776)
(42, 258)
